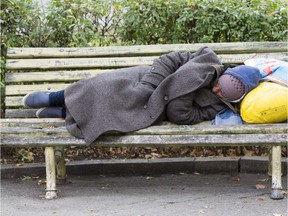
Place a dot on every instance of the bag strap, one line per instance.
(234, 109)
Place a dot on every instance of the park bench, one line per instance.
(30, 69)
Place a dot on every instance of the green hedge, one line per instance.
(204, 21)
(105, 22)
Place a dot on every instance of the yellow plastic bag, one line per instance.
(267, 103)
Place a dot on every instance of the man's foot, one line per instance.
(51, 112)
(36, 99)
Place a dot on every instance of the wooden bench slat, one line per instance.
(32, 122)
(13, 101)
(52, 76)
(76, 63)
(24, 89)
(153, 130)
(86, 63)
(151, 140)
(237, 47)
(54, 126)
(20, 113)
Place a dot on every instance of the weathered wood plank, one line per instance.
(32, 122)
(51, 76)
(238, 47)
(20, 113)
(240, 58)
(30, 126)
(76, 63)
(152, 130)
(13, 101)
(86, 63)
(24, 89)
(58, 122)
(151, 140)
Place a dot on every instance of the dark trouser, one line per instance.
(57, 99)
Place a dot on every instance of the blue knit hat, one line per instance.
(238, 81)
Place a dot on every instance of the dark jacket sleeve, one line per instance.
(164, 66)
(194, 107)
(182, 110)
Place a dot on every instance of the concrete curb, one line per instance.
(150, 167)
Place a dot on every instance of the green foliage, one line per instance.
(22, 24)
(150, 22)
(82, 23)
(187, 21)
(70, 23)
(25, 155)
(78, 23)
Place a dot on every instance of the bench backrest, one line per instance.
(51, 69)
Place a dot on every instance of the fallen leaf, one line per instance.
(154, 150)
(35, 177)
(23, 178)
(148, 156)
(25, 155)
(260, 186)
(106, 186)
(183, 151)
(41, 182)
(247, 152)
(90, 210)
(236, 178)
(263, 180)
(261, 198)
(154, 154)
(201, 212)
(42, 196)
(3, 161)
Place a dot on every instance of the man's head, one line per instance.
(236, 82)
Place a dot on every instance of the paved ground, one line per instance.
(167, 195)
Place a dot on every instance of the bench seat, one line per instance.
(30, 132)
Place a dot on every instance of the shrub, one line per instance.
(75, 23)
(187, 21)
(82, 23)
(23, 24)
(150, 22)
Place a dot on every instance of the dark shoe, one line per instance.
(51, 112)
(36, 99)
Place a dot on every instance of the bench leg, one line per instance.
(60, 164)
(51, 191)
(270, 163)
(276, 192)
